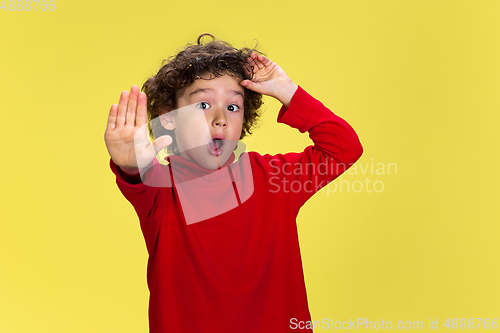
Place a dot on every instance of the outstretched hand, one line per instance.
(126, 133)
(270, 79)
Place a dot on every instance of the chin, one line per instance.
(210, 164)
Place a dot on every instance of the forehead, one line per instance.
(223, 85)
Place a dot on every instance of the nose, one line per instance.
(219, 119)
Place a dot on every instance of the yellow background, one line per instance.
(417, 80)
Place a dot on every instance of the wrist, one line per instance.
(129, 171)
(130, 175)
(286, 93)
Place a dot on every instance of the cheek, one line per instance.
(196, 124)
(240, 118)
(194, 133)
(237, 125)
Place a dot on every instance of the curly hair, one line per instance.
(179, 71)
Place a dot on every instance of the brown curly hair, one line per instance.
(179, 71)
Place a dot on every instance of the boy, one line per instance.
(236, 268)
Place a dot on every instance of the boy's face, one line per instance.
(208, 110)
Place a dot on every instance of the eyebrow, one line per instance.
(200, 90)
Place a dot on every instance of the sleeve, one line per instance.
(144, 198)
(336, 148)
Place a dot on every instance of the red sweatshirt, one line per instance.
(237, 270)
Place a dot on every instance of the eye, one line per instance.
(203, 105)
(233, 107)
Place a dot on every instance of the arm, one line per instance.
(336, 144)
(130, 150)
(336, 148)
(130, 175)
(146, 201)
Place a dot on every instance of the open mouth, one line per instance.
(216, 144)
(216, 147)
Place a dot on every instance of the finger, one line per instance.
(265, 64)
(113, 112)
(248, 69)
(142, 111)
(265, 61)
(162, 142)
(132, 105)
(253, 62)
(122, 109)
(252, 86)
(252, 59)
(258, 62)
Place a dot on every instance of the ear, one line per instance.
(167, 120)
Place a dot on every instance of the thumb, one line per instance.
(162, 142)
(252, 86)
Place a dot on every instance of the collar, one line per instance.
(184, 169)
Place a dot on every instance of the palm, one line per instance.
(126, 133)
(268, 77)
